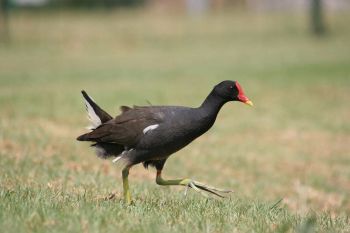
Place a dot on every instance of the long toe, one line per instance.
(192, 185)
(212, 188)
(209, 189)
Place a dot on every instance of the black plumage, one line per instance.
(150, 134)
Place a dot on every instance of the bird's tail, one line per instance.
(96, 115)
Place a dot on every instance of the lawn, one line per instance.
(288, 158)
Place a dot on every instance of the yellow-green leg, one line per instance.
(127, 194)
(197, 186)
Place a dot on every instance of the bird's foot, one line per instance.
(203, 188)
(195, 185)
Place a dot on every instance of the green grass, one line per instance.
(292, 146)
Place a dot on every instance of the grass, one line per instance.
(287, 158)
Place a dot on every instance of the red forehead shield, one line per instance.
(241, 95)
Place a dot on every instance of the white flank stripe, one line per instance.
(116, 159)
(93, 118)
(149, 128)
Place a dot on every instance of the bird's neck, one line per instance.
(211, 107)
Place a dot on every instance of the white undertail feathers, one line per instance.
(92, 116)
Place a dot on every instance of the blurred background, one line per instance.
(292, 57)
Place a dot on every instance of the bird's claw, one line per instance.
(204, 189)
(186, 189)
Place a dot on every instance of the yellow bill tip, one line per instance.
(250, 103)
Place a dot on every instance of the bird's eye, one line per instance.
(231, 87)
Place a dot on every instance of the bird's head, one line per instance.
(231, 91)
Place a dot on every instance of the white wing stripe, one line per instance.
(149, 128)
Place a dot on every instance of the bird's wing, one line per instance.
(129, 127)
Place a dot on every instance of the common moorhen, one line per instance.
(150, 134)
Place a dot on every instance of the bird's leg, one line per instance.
(127, 195)
(197, 186)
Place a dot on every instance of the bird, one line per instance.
(150, 134)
